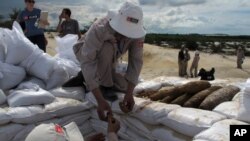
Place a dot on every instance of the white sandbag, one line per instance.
(190, 121)
(86, 128)
(79, 118)
(139, 102)
(138, 127)
(58, 77)
(64, 106)
(18, 46)
(134, 136)
(3, 50)
(76, 93)
(169, 81)
(71, 67)
(29, 115)
(12, 75)
(162, 133)
(153, 111)
(21, 136)
(148, 86)
(2, 97)
(237, 96)
(244, 110)
(27, 97)
(65, 46)
(229, 109)
(39, 64)
(4, 117)
(219, 131)
(28, 85)
(8, 132)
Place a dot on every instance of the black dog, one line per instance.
(206, 75)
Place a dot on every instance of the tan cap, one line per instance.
(55, 132)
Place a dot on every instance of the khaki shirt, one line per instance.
(89, 47)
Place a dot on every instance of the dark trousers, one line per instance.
(39, 40)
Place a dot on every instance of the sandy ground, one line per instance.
(160, 61)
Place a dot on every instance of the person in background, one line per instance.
(68, 26)
(186, 59)
(107, 40)
(29, 19)
(181, 61)
(194, 65)
(240, 57)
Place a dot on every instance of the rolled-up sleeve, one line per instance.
(88, 56)
(135, 61)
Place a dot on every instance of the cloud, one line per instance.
(171, 2)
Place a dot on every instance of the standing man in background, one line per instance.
(186, 59)
(181, 61)
(194, 65)
(30, 17)
(240, 57)
(69, 26)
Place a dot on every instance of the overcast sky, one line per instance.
(160, 16)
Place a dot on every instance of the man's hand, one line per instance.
(96, 137)
(103, 109)
(128, 102)
(113, 125)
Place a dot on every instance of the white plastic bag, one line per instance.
(64, 106)
(39, 64)
(65, 46)
(148, 86)
(229, 109)
(12, 76)
(58, 77)
(69, 92)
(70, 66)
(18, 46)
(190, 121)
(154, 111)
(27, 97)
(219, 131)
(29, 114)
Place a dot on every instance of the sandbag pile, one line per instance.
(23, 109)
(195, 94)
(20, 58)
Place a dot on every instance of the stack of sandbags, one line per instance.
(224, 94)
(220, 131)
(77, 93)
(190, 121)
(18, 46)
(244, 111)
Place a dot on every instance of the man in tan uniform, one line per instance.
(106, 40)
